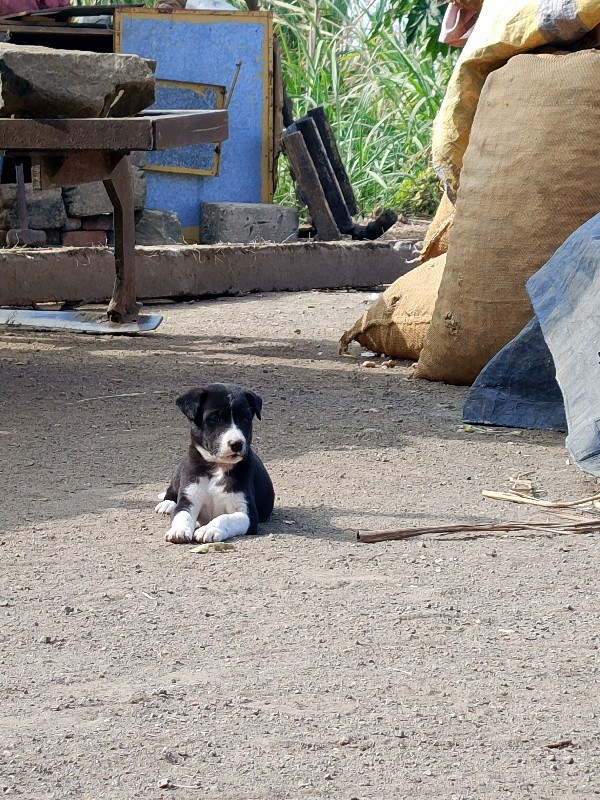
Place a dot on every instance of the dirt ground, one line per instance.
(302, 664)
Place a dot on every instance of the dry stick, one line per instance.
(448, 530)
(532, 501)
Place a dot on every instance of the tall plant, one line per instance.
(381, 84)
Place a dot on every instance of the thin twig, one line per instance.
(447, 530)
(110, 396)
(511, 497)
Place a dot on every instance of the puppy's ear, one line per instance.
(255, 403)
(191, 402)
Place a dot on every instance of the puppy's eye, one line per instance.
(212, 419)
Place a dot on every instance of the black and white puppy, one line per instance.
(221, 485)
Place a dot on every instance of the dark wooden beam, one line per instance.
(311, 191)
(331, 148)
(329, 182)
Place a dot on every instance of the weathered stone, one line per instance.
(53, 238)
(158, 227)
(72, 224)
(8, 195)
(45, 209)
(91, 199)
(39, 82)
(242, 223)
(25, 237)
(139, 158)
(8, 219)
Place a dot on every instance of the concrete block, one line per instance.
(242, 223)
(158, 227)
(84, 239)
(91, 199)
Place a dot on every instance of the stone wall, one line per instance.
(81, 216)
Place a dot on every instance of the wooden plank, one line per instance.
(328, 139)
(144, 132)
(329, 182)
(123, 306)
(70, 169)
(127, 133)
(177, 130)
(307, 178)
(55, 30)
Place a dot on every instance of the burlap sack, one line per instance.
(531, 176)
(397, 323)
(436, 238)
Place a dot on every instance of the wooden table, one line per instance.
(66, 152)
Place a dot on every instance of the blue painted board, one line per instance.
(204, 47)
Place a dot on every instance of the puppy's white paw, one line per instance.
(178, 535)
(161, 496)
(210, 533)
(165, 507)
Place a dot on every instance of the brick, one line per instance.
(102, 223)
(84, 238)
(242, 223)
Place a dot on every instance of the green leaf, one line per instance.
(220, 547)
(201, 548)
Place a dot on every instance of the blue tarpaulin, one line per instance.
(518, 388)
(565, 296)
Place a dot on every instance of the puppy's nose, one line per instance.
(236, 446)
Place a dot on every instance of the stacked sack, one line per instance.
(530, 177)
(396, 325)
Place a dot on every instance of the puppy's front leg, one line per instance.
(189, 503)
(223, 527)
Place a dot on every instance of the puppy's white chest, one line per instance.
(219, 501)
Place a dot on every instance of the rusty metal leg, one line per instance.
(119, 186)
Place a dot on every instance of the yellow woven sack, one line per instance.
(503, 29)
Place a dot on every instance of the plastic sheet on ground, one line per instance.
(518, 388)
(564, 294)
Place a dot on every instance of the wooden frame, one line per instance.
(199, 88)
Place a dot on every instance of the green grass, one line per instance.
(381, 95)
